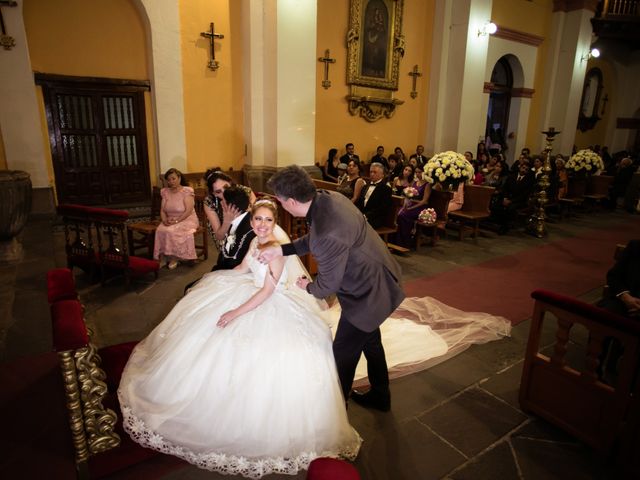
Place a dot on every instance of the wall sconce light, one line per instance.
(593, 53)
(488, 28)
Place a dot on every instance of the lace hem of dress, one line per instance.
(223, 463)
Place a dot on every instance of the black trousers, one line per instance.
(348, 344)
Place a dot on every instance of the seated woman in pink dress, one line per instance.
(174, 236)
(458, 199)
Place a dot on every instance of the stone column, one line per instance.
(279, 76)
(565, 69)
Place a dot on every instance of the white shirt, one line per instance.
(370, 190)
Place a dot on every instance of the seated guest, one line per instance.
(408, 214)
(352, 184)
(419, 157)
(330, 170)
(174, 236)
(521, 159)
(496, 178)
(400, 154)
(375, 199)
(621, 181)
(513, 197)
(395, 168)
(379, 157)
(561, 177)
(457, 200)
(404, 180)
(219, 214)
(350, 155)
(623, 298)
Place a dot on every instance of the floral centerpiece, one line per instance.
(410, 192)
(449, 169)
(586, 161)
(428, 215)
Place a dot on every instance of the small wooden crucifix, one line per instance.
(7, 41)
(326, 83)
(415, 74)
(211, 35)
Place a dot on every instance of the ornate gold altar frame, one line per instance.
(375, 45)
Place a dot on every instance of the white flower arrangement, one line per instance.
(448, 168)
(586, 160)
(428, 215)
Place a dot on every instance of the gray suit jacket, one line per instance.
(353, 261)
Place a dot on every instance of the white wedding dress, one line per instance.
(257, 397)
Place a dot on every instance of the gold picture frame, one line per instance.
(375, 43)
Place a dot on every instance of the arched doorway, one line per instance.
(499, 105)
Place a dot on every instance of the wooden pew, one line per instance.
(575, 399)
(576, 188)
(598, 188)
(477, 199)
(439, 201)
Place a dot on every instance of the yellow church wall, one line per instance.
(335, 126)
(212, 100)
(596, 135)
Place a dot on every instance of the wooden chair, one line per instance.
(391, 224)
(91, 378)
(576, 188)
(573, 400)
(112, 247)
(324, 185)
(79, 238)
(598, 188)
(202, 246)
(477, 200)
(143, 234)
(439, 201)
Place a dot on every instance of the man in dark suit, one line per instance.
(420, 158)
(354, 263)
(513, 197)
(350, 155)
(623, 281)
(375, 199)
(237, 239)
(379, 157)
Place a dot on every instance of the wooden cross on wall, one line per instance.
(211, 35)
(415, 74)
(326, 83)
(7, 41)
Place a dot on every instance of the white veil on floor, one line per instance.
(420, 333)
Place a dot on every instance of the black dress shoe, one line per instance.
(371, 399)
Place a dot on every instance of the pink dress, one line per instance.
(458, 199)
(176, 239)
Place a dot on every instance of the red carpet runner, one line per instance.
(501, 286)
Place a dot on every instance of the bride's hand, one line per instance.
(302, 282)
(226, 318)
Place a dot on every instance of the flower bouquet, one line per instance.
(586, 160)
(410, 192)
(449, 169)
(428, 215)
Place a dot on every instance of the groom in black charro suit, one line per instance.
(238, 237)
(355, 264)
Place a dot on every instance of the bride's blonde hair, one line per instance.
(269, 205)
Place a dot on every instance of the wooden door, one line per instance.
(97, 132)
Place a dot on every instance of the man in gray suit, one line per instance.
(354, 263)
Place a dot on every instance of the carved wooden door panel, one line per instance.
(98, 142)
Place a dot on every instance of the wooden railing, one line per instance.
(626, 8)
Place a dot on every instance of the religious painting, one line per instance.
(375, 43)
(590, 100)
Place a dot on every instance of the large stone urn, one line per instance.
(15, 205)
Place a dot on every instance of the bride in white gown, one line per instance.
(240, 376)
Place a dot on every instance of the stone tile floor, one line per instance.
(458, 420)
